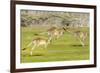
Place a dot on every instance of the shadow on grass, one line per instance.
(38, 54)
(35, 54)
(78, 45)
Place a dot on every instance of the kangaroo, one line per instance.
(55, 32)
(39, 41)
(80, 35)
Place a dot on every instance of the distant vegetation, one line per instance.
(57, 18)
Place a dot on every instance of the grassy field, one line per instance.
(63, 49)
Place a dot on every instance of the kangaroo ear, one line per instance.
(64, 28)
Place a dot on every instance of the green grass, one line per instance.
(65, 48)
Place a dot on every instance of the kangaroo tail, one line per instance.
(27, 46)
